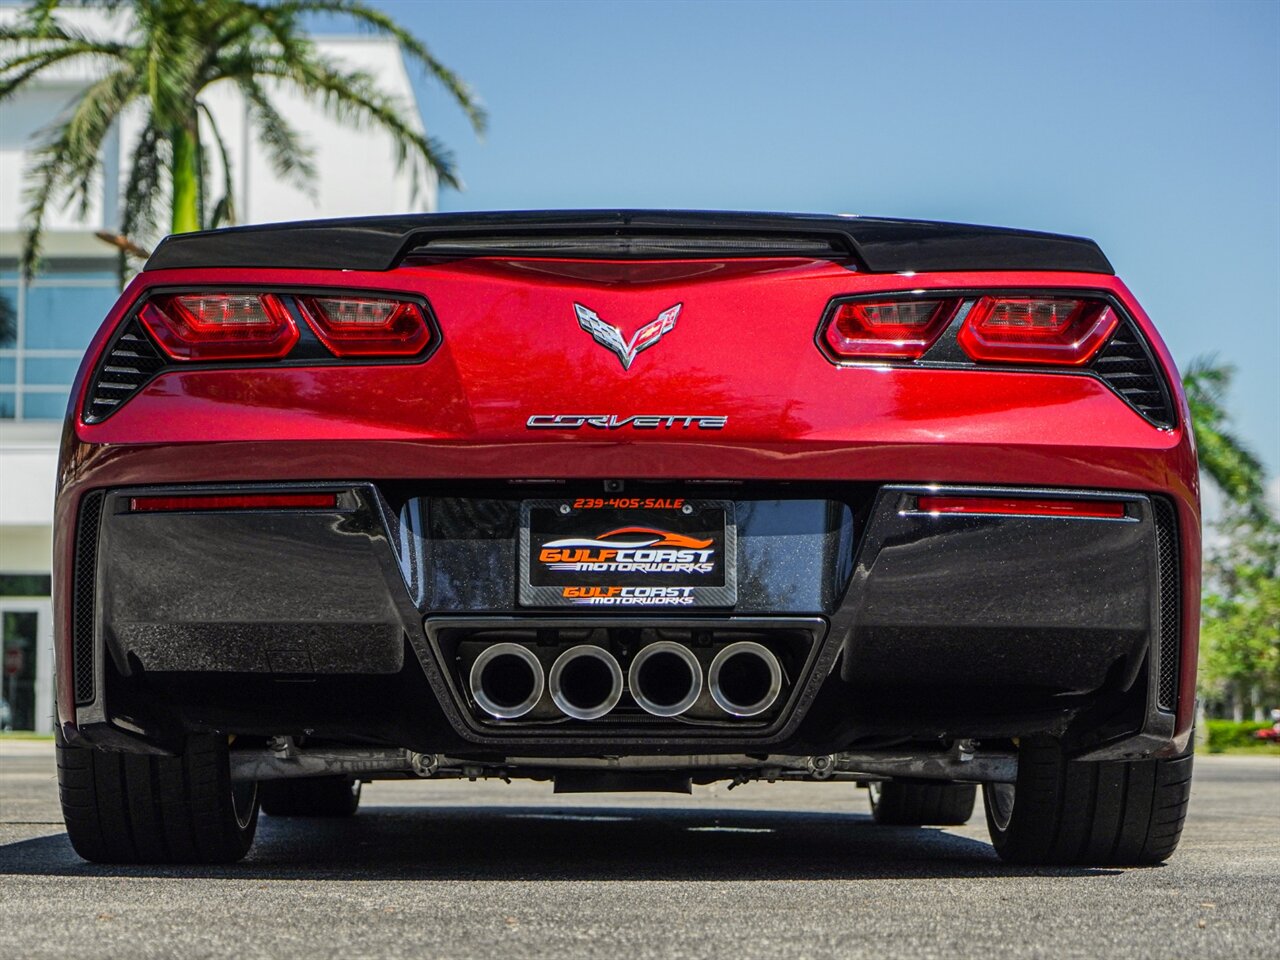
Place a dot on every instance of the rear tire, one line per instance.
(310, 797)
(135, 808)
(912, 803)
(1069, 812)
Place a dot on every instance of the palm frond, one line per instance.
(8, 321)
(353, 97)
(38, 25)
(1234, 468)
(145, 186)
(378, 22)
(43, 178)
(90, 120)
(39, 14)
(224, 210)
(42, 44)
(280, 26)
(68, 157)
(18, 70)
(1206, 382)
(290, 157)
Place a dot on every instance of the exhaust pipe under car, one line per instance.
(665, 679)
(585, 682)
(507, 680)
(745, 679)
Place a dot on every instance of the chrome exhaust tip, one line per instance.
(507, 680)
(585, 682)
(745, 679)
(665, 678)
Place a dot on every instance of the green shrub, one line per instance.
(1227, 733)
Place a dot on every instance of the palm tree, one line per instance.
(1239, 644)
(1230, 464)
(174, 52)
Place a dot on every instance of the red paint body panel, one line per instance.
(743, 348)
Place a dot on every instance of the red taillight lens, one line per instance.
(1020, 507)
(368, 326)
(902, 329)
(221, 326)
(250, 501)
(1058, 330)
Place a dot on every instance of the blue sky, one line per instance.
(1152, 127)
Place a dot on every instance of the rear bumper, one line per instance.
(893, 623)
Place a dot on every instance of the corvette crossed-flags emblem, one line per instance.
(610, 337)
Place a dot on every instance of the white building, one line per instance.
(58, 312)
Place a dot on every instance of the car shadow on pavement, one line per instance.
(568, 843)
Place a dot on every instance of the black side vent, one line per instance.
(1170, 598)
(1127, 367)
(86, 566)
(131, 362)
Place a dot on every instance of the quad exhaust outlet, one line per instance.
(507, 680)
(745, 679)
(665, 679)
(585, 682)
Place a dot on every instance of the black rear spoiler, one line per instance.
(869, 243)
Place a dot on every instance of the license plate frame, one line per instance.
(686, 522)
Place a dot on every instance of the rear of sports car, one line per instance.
(627, 500)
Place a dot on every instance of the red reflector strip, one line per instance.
(1096, 509)
(250, 501)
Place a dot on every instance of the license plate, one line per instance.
(628, 552)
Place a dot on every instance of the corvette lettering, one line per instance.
(608, 421)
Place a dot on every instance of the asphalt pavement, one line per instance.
(506, 872)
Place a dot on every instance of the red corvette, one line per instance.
(627, 500)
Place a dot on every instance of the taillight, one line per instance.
(893, 329)
(1031, 329)
(367, 326)
(221, 326)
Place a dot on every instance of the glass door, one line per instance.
(26, 685)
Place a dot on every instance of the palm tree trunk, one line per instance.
(186, 179)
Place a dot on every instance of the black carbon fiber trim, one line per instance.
(131, 362)
(1170, 600)
(380, 243)
(86, 568)
(1125, 364)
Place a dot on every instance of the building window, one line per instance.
(45, 327)
(25, 584)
